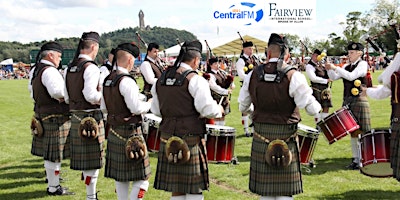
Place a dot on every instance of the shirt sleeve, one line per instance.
(380, 92)
(130, 91)
(203, 102)
(66, 96)
(359, 71)
(244, 99)
(30, 82)
(91, 77)
(302, 94)
(239, 68)
(147, 72)
(155, 105)
(54, 83)
(215, 87)
(310, 71)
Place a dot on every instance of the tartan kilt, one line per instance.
(270, 181)
(317, 89)
(191, 177)
(37, 146)
(395, 150)
(86, 154)
(360, 109)
(55, 142)
(118, 166)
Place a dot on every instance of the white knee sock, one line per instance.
(317, 117)
(138, 189)
(90, 178)
(245, 122)
(181, 197)
(52, 174)
(283, 198)
(267, 198)
(194, 197)
(122, 189)
(354, 149)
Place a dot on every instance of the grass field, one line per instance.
(22, 175)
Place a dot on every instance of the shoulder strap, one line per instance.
(78, 68)
(168, 77)
(114, 81)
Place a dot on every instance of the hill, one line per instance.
(165, 37)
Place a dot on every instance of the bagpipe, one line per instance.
(160, 61)
(255, 58)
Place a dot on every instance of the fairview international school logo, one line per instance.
(264, 12)
(245, 13)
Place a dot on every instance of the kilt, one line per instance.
(118, 166)
(55, 138)
(86, 154)
(190, 177)
(360, 109)
(37, 146)
(395, 150)
(317, 89)
(271, 181)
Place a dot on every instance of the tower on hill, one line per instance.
(141, 20)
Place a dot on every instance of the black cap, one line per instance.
(128, 47)
(317, 51)
(247, 44)
(277, 39)
(94, 36)
(112, 51)
(52, 46)
(355, 46)
(193, 45)
(212, 61)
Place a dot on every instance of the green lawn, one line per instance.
(22, 175)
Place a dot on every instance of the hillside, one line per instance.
(165, 37)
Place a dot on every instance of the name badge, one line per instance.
(269, 77)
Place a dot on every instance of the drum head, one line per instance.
(220, 130)
(382, 169)
(307, 131)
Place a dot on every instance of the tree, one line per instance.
(353, 31)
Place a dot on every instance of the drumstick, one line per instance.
(220, 101)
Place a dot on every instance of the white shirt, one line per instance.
(215, 87)
(147, 71)
(240, 64)
(91, 77)
(199, 89)
(310, 71)
(51, 79)
(104, 72)
(359, 71)
(299, 90)
(130, 91)
(380, 92)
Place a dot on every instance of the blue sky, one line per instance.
(36, 20)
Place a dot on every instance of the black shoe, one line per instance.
(60, 191)
(353, 166)
(249, 134)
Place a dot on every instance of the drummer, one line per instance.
(354, 73)
(221, 85)
(390, 79)
(319, 83)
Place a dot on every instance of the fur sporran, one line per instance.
(135, 148)
(177, 150)
(36, 127)
(88, 128)
(278, 154)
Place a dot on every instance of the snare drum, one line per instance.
(375, 153)
(307, 141)
(220, 143)
(338, 124)
(151, 124)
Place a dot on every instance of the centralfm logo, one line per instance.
(264, 12)
(245, 12)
